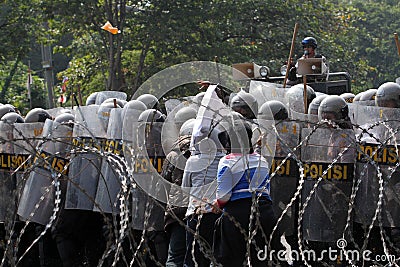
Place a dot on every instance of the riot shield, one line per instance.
(85, 164)
(27, 136)
(7, 179)
(363, 115)
(109, 182)
(300, 117)
(170, 129)
(265, 91)
(171, 104)
(49, 166)
(146, 166)
(130, 134)
(284, 174)
(54, 112)
(378, 154)
(328, 159)
(103, 95)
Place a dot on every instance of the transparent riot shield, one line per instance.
(328, 157)
(363, 115)
(171, 127)
(377, 167)
(303, 118)
(48, 175)
(54, 112)
(146, 164)
(27, 136)
(130, 134)
(85, 164)
(7, 178)
(284, 173)
(171, 104)
(265, 91)
(112, 166)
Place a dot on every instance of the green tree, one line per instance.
(18, 20)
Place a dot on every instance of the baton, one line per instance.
(296, 27)
(396, 39)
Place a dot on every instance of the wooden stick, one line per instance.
(396, 39)
(305, 94)
(80, 95)
(296, 27)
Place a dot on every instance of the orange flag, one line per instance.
(108, 27)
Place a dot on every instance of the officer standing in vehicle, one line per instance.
(309, 45)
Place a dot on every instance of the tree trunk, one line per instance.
(8, 80)
(142, 58)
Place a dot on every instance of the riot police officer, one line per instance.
(329, 157)
(379, 138)
(309, 45)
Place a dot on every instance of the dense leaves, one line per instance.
(154, 35)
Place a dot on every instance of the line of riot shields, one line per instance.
(88, 183)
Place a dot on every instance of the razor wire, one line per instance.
(130, 248)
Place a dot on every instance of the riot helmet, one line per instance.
(295, 97)
(65, 118)
(135, 104)
(185, 134)
(245, 104)
(37, 115)
(314, 105)
(13, 117)
(309, 41)
(7, 108)
(151, 115)
(334, 108)
(348, 97)
(187, 127)
(388, 95)
(132, 110)
(149, 100)
(357, 97)
(368, 97)
(91, 99)
(183, 115)
(119, 102)
(273, 110)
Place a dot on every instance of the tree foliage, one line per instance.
(356, 37)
